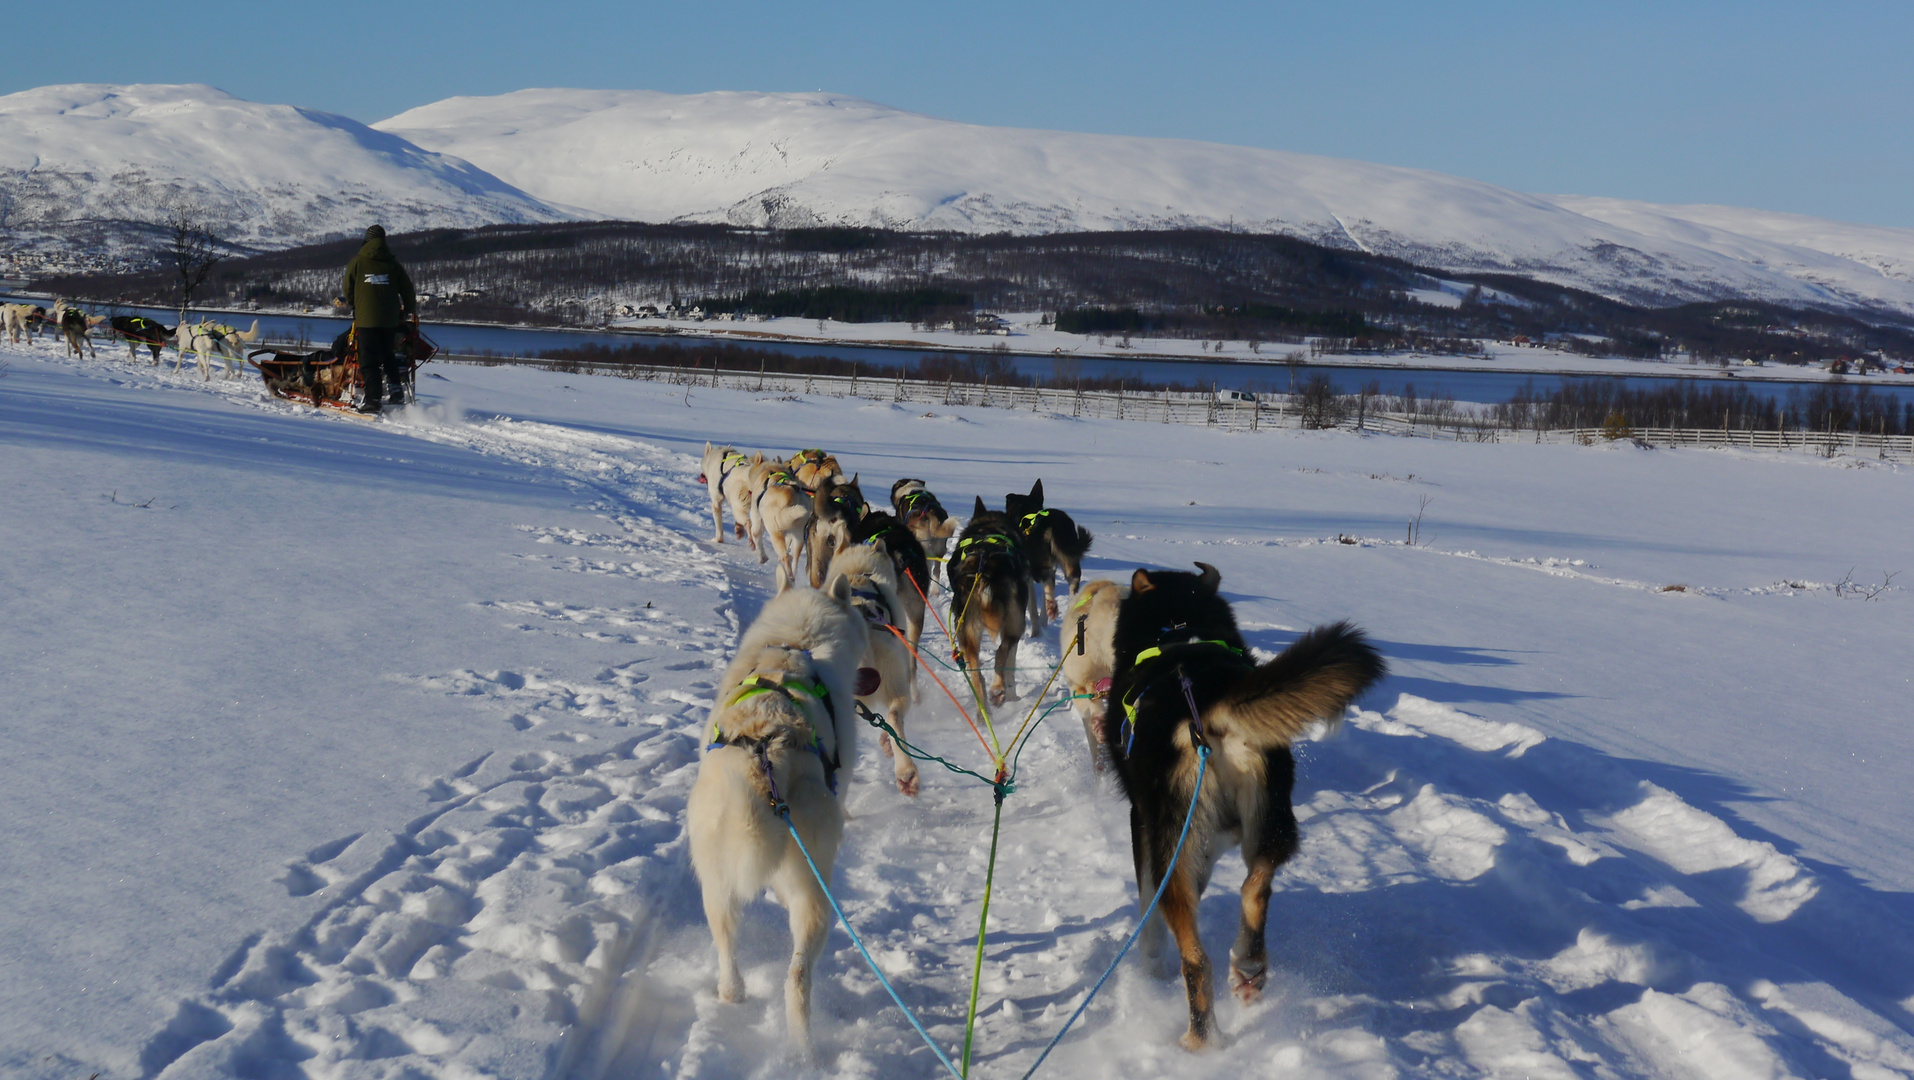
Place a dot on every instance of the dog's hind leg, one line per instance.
(811, 922)
(1179, 913)
(1009, 633)
(906, 769)
(970, 642)
(1267, 845)
(721, 910)
(1151, 939)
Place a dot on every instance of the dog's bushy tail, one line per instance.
(1314, 679)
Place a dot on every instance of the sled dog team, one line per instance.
(1159, 673)
(205, 340)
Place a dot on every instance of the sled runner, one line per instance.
(330, 377)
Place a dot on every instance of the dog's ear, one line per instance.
(1036, 492)
(980, 508)
(839, 588)
(1140, 582)
(757, 458)
(1212, 577)
(882, 549)
(707, 448)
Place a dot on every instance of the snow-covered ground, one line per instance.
(348, 748)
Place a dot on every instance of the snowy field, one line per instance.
(347, 748)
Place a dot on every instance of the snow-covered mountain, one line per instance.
(82, 166)
(822, 159)
(85, 160)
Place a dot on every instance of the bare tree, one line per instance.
(191, 248)
(9, 205)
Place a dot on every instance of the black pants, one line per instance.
(378, 361)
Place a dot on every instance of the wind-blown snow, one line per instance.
(359, 749)
(270, 175)
(822, 159)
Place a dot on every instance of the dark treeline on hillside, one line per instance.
(1588, 403)
(977, 368)
(1172, 283)
(844, 303)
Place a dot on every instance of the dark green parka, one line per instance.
(376, 287)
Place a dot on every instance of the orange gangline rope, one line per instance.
(961, 711)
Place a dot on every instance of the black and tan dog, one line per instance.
(907, 556)
(1184, 678)
(1051, 542)
(138, 330)
(989, 590)
(836, 506)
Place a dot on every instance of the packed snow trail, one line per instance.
(1475, 895)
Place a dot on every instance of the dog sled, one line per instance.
(330, 378)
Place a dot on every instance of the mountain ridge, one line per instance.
(791, 160)
(90, 167)
(102, 163)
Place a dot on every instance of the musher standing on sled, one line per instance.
(381, 298)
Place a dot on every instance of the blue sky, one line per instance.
(1804, 107)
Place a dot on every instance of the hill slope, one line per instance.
(85, 162)
(787, 160)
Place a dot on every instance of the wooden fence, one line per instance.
(1204, 410)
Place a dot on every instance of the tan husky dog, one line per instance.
(812, 466)
(727, 474)
(781, 514)
(1089, 656)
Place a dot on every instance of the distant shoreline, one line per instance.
(1259, 364)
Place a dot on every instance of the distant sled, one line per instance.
(329, 378)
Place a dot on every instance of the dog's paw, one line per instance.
(1193, 1042)
(1247, 979)
(739, 529)
(907, 783)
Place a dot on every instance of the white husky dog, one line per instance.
(781, 511)
(207, 339)
(781, 736)
(1089, 655)
(873, 580)
(728, 474)
(17, 319)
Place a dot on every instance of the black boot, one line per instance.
(370, 407)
